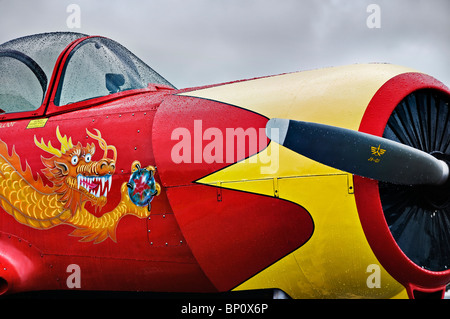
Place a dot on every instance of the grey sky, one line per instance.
(197, 42)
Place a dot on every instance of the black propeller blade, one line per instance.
(359, 153)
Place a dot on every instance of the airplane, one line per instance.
(327, 183)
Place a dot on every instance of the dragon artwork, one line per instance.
(75, 179)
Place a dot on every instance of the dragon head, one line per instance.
(75, 176)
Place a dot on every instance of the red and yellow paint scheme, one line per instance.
(159, 189)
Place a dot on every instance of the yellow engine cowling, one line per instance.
(344, 257)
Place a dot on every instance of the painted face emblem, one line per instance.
(142, 187)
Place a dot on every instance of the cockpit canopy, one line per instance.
(95, 67)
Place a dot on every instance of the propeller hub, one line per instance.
(438, 197)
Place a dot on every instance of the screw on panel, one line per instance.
(276, 192)
(219, 191)
(351, 188)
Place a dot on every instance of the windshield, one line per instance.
(26, 66)
(98, 67)
(95, 67)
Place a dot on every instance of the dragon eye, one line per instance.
(87, 158)
(74, 160)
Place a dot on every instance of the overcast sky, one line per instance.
(198, 42)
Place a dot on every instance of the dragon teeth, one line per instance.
(101, 185)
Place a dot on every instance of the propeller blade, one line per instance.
(359, 153)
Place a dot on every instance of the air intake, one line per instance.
(419, 216)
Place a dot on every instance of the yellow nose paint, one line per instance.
(337, 261)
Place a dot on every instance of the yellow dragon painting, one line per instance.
(76, 179)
